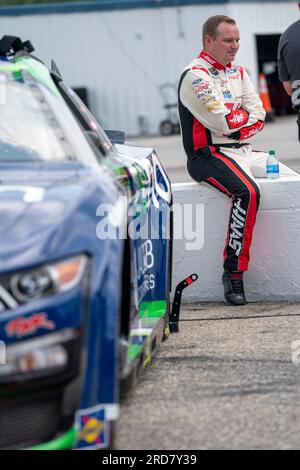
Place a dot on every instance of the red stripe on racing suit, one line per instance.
(250, 209)
(199, 135)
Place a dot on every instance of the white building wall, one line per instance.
(123, 56)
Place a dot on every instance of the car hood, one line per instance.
(44, 193)
(48, 211)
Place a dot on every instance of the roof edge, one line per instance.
(97, 5)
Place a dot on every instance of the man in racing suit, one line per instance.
(219, 111)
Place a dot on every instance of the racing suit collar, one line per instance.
(212, 61)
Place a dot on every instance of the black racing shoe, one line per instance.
(234, 288)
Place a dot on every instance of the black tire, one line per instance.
(166, 127)
(176, 129)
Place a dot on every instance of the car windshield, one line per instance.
(31, 122)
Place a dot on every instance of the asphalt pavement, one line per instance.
(225, 381)
(230, 379)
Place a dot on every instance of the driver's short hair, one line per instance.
(211, 25)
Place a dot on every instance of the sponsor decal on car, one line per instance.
(92, 427)
(24, 326)
(145, 263)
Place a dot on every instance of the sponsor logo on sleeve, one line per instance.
(201, 86)
(196, 82)
(202, 89)
(252, 130)
(204, 94)
(213, 104)
(237, 119)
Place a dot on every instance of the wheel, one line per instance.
(166, 127)
(176, 129)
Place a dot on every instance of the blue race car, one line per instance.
(85, 261)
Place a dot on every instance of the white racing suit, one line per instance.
(219, 110)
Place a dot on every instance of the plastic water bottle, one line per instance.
(272, 165)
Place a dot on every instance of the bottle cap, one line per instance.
(271, 152)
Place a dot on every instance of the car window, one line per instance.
(28, 128)
(84, 116)
(35, 125)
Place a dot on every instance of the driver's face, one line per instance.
(226, 44)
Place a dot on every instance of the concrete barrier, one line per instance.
(274, 273)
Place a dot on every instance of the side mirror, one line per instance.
(117, 137)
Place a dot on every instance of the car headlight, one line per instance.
(32, 284)
(48, 355)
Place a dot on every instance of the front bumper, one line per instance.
(38, 406)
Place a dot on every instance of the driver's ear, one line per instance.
(207, 40)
